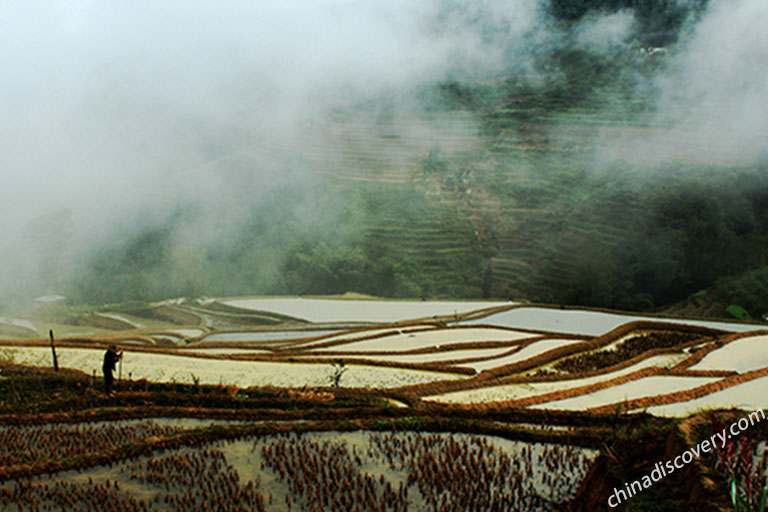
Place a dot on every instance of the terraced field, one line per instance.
(514, 203)
(468, 213)
(503, 203)
(452, 352)
(482, 373)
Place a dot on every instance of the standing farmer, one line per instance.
(111, 357)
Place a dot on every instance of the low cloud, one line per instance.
(118, 114)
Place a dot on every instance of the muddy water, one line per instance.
(322, 471)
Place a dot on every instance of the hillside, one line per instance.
(463, 204)
(576, 175)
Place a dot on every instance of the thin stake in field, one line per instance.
(53, 350)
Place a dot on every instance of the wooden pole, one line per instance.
(53, 350)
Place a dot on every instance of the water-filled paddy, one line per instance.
(18, 322)
(364, 333)
(267, 335)
(225, 351)
(124, 319)
(186, 333)
(331, 471)
(648, 386)
(20, 444)
(135, 341)
(524, 390)
(534, 349)
(742, 355)
(435, 357)
(749, 396)
(172, 368)
(428, 339)
(336, 310)
(17, 328)
(593, 323)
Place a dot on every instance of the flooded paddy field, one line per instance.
(743, 355)
(339, 471)
(257, 336)
(363, 405)
(649, 386)
(413, 340)
(172, 367)
(336, 310)
(507, 392)
(446, 355)
(595, 323)
(749, 396)
(426, 415)
(472, 353)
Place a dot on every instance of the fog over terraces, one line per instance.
(594, 153)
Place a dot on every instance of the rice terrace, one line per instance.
(361, 256)
(455, 406)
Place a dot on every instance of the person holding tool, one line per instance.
(111, 357)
